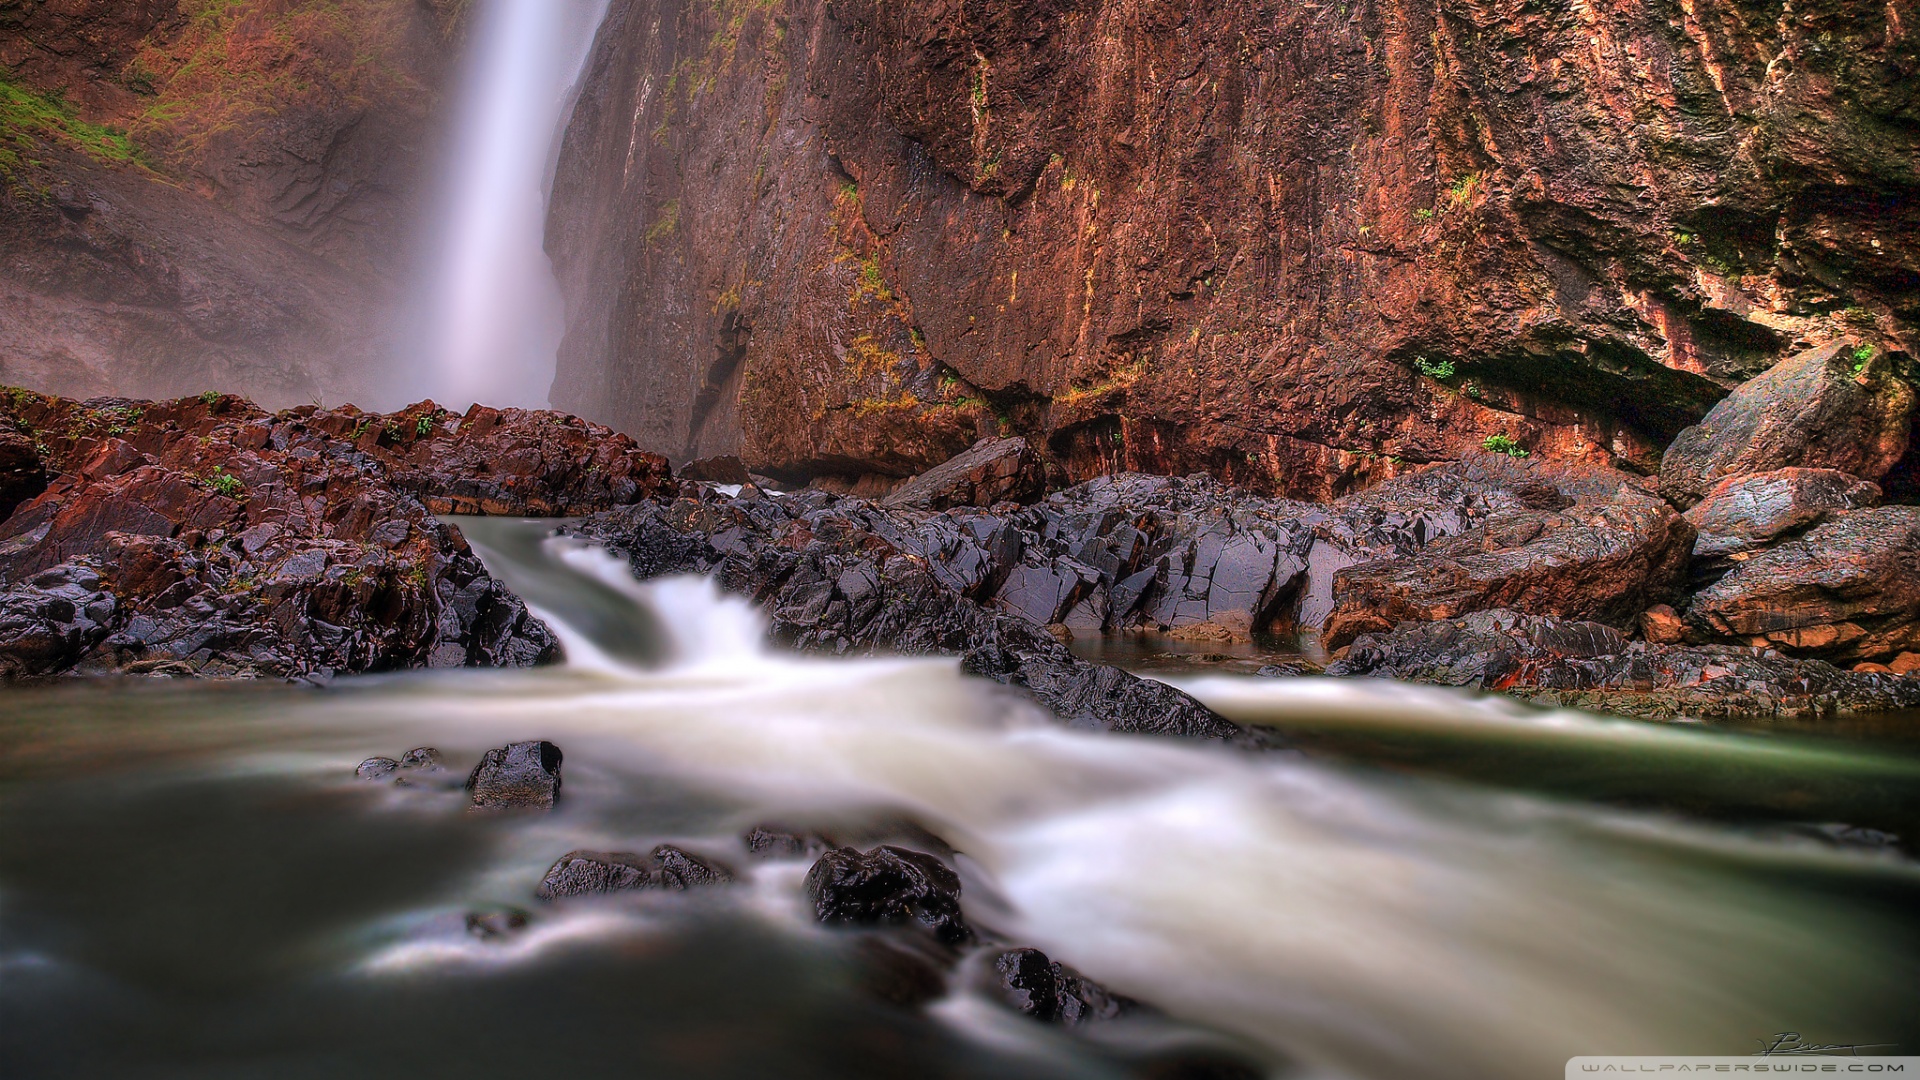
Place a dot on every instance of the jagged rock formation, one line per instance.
(1300, 247)
(198, 196)
(207, 536)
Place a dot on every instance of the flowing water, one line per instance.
(193, 884)
(493, 314)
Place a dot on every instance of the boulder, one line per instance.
(48, 624)
(888, 886)
(1590, 665)
(717, 470)
(1840, 406)
(667, 868)
(1743, 514)
(993, 471)
(1604, 560)
(1031, 984)
(1847, 591)
(23, 472)
(517, 776)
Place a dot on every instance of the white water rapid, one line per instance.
(1353, 923)
(493, 316)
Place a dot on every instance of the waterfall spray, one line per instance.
(492, 313)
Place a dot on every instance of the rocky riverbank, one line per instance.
(208, 537)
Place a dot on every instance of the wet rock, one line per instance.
(667, 868)
(774, 842)
(992, 471)
(50, 623)
(1847, 591)
(1033, 985)
(415, 766)
(1593, 666)
(1827, 408)
(888, 886)
(1604, 560)
(23, 473)
(300, 544)
(899, 974)
(517, 776)
(1747, 513)
(495, 925)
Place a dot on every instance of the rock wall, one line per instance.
(1302, 246)
(199, 194)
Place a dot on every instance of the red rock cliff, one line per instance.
(1301, 245)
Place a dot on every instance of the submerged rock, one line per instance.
(667, 868)
(415, 766)
(888, 886)
(1840, 406)
(774, 842)
(518, 776)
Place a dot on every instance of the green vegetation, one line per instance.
(210, 398)
(1423, 213)
(1438, 372)
(226, 483)
(422, 426)
(1461, 193)
(1862, 356)
(27, 119)
(666, 224)
(1501, 444)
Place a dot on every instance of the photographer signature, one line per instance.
(1790, 1042)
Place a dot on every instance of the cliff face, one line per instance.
(1303, 246)
(201, 194)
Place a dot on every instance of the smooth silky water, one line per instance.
(193, 884)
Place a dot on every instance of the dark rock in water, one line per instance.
(1826, 408)
(899, 974)
(1854, 837)
(493, 925)
(888, 886)
(668, 868)
(774, 842)
(413, 767)
(518, 776)
(1593, 666)
(48, 624)
(1607, 560)
(1747, 513)
(992, 471)
(1290, 669)
(1034, 985)
(1847, 591)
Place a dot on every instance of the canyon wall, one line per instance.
(212, 194)
(1303, 246)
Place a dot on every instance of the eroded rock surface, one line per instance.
(1593, 666)
(889, 886)
(1842, 406)
(1747, 513)
(301, 543)
(518, 776)
(992, 471)
(666, 868)
(1847, 591)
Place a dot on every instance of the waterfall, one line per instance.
(490, 314)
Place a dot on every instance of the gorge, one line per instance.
(1059, 538)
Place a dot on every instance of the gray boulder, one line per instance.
(992, 471)
(520, 776)
(1748, 513)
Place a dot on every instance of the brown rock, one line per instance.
(667, 868)
(1847, 591)
(1826, 408)
(993, 471)
(1744, 513)
(1662, 625)
(1607, 561)
(1905, 664)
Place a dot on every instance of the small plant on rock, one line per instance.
(422, 426)
(1438, 371)
(1862, 356)
(1501, 444)
(225, 483)
(210, 398)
